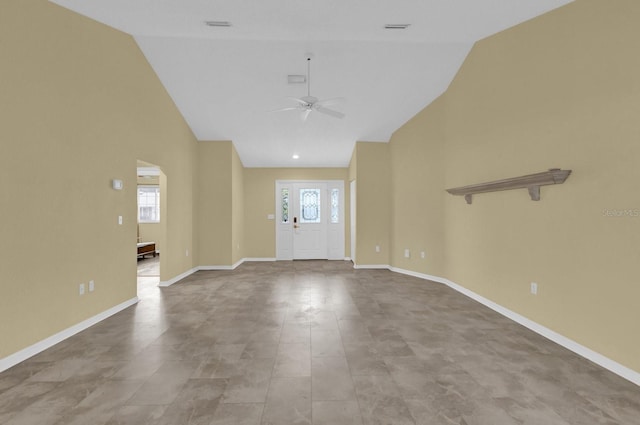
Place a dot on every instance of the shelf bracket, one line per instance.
(534, 193)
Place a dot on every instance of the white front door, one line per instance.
(309, 220)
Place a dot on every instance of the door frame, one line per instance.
(352, 221)
(335, 231)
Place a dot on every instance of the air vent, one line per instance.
(218, 23)
(396, 26)
(296, 79)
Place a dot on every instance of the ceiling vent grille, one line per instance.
(396, 26)
(218, 23)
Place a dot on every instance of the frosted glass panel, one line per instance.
(334, 205)
(309, 205)
(284, 196)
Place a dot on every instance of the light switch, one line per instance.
(119, 219)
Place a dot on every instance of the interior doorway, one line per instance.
(151, 222)
(310, 220)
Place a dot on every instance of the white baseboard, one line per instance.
(231, 267)
(175, 279)
(223, 267)
(214, 267)
(263, 259)
(595, 357)
(372, 266)
(188, 273)
(49, 342)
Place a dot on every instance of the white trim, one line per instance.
(265, 259)
(372, 266)
(231, 267)
(49, 342)
(352, 219)
(165, 283)
(416, 274)
(225, 267)
(198, 268)
(597, 358)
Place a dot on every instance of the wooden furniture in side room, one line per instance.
(145, 248)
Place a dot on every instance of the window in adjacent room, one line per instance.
(148, 204)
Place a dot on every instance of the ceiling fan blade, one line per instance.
(305, 114)
(329, 102)
(329, 112)
(300, 101)
(286, 109)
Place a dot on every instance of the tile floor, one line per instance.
(310, 342)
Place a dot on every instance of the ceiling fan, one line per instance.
(308, 103)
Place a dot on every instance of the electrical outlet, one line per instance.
(407, 253)
(534, 288)
(377, 248)
(423, 255)
(92, 285)
(119, 219)
(81, 289)
(186, 253)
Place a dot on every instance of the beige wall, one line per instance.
(220, 204)
(558, 91)
(78, 99)
(215, 200)
(417, 195)
(353, 165)
(259, 201)
(150, 232)
(370, 164)
(237, 207)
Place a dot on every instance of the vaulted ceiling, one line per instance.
(226, 80)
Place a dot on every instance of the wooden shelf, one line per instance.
(532, 182)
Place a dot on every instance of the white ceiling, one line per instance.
(225, 81)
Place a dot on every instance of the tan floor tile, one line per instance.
(310, 341)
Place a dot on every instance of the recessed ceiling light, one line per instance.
(396, 26)
(295, 156)
(218, 23)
